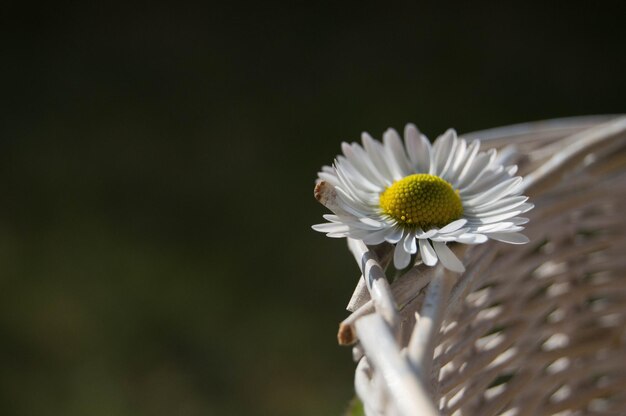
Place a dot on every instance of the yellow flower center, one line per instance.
(422, 200)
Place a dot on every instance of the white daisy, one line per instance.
(421, 197)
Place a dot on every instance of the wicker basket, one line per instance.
(538, 329)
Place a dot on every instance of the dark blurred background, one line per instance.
(156, 174)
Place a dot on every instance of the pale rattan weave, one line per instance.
(536, 329)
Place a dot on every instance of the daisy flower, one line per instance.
(421, 197)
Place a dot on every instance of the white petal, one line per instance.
(371, 222)
(401, 258)
(395, 235)
(494, 228)
(511, 170)
(330, 227)
(362, 162)
(353, 183)
(395, 152)
(375, 152)
(328, 169)
(508, 202)
(347, 195)
(493, 219)
(488, 214)
(459, 155)
(442, 151)
(489, 180)
(471, 152)
(410, 243)
(507, 154)
(356, 224)
(447, 257)
(429, 257)
(453, 226)
(331, 217)
(456, 151)
(512, 238)
(472, 238)
(490, 177)
(418, 147)
(507, 187)
(446, 238)
(359, 234)
(377, 237)
(352, 172)
(426, 234)
(337, 235)
(349, 204)
(331, 178)
(478, 166)
(509, 216)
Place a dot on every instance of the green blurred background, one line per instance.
(157, 166)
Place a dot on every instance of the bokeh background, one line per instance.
(156, 174)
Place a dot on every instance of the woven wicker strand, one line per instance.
(538, 329)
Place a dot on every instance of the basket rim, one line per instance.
(548, 125)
